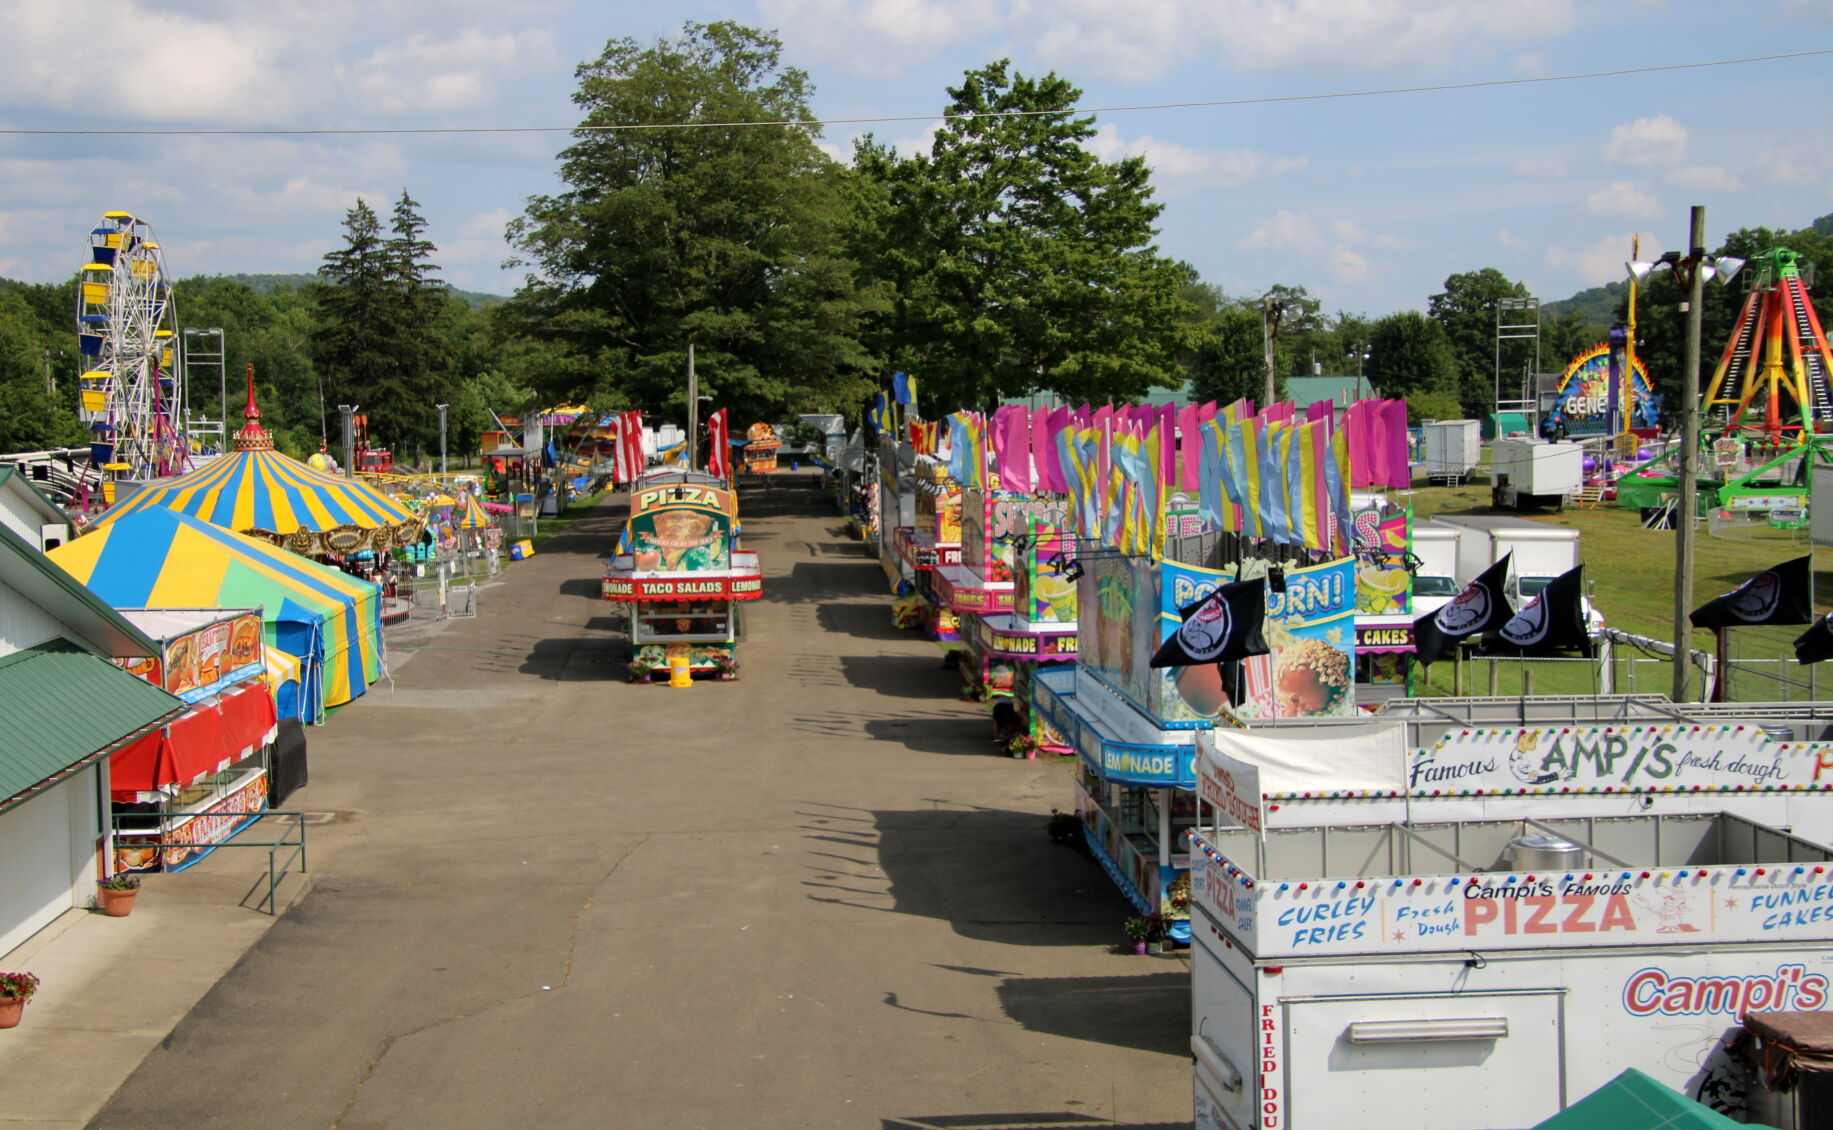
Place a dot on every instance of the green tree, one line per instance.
(725, 237)
(1410, 358)
(1021, 261)
(379, 340)
(1466, 310)
(30, 418)
(1227, 361)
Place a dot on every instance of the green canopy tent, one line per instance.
(1633, 1101)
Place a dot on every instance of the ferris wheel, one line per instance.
(130, 395)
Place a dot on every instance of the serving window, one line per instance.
(686, 622)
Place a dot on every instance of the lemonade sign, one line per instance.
(1384, 587)
(1045, 595)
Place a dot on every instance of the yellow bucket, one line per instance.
(679, 674)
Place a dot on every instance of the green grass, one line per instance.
(575, 510)
(1630, 573)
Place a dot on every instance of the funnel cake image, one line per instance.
(1310, 678)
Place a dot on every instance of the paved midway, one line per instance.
(810, 898)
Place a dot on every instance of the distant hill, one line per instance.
(267, 284)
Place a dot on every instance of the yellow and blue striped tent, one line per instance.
(330, 621)
(473, 516)
(262, 489)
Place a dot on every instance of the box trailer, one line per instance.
(1435, 577)
(1541, 551)
(1474, 912)
(1452, 448)
(1532, 473)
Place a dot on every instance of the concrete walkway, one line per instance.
(543, 897)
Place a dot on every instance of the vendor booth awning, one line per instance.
(208, 738)
(256, 489)
(61, 707)
(1633, 1101)
(158, 558)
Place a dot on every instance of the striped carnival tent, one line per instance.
(256, 490)
(473, 516)
(328, 621)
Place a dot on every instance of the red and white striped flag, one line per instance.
(629, 446)
(719, 450)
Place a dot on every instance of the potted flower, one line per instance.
(117, 893)
(1156, 931)
(639, 671)
(725, 668)
(1135, 930)
(1023, 747)
(15, 990)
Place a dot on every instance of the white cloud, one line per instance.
(118, 58)
(427, 74)
(1348, 267)
(1601, 262)
(1705, 178)
(1659, 140)
(1622, 198)
(1284, 230)
(486, 225)
(1347, 231)
(1169, 161)
(1509, 239)
(1140, 40)
(879, 37)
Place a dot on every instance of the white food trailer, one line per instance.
(1473, 916)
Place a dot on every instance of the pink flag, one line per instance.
(996, 438)
(1320, 410)
(1355, 423)
(1015, 471)
(719, 451)
(1190, 446)
(1399, 474)
(1054, 475)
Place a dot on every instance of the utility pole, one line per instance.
(693, 408)
(1269, 325)
(1695, 283)
(349, 411)
(442, 437)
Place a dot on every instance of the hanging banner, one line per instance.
(1311, 630)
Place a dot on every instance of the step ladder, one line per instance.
(1586, 498)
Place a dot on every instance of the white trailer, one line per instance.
(1532, 473)
(1435, 579)
(1453, 448)
(1541, 551)
(1820, 504)
(1476, 914)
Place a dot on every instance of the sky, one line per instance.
(1369, 202)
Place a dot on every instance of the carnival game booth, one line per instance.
(1009, 648)
(195, 781)
(680, 571)
(326, 620)
(994, 523)
(1370, 951)
(894, 510)
(1134, 727)
(933, 542)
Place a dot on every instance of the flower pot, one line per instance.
(11, 1008)
(116, 904)
(1137, 948)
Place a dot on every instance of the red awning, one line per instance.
(211, 736)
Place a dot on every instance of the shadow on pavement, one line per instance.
(992, 874)
(583, 586)
(861, 621)
(956, 736)
(1024, 1120)
(901, 676)
(1150, 1012)
(575, 659)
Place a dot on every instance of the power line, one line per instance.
(1264, 100)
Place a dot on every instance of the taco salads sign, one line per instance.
(1618, 759)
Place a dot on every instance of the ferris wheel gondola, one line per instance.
(130, 396)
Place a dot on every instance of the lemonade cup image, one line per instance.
(1382, 586)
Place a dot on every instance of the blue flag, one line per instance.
(903, 388)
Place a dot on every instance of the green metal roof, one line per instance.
(61, 707)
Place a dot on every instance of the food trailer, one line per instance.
(195, 781)
(1005, 650)
(1474, 912)
(933, 542)
(681, 572)
(760, 450)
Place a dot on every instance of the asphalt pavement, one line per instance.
(541, 896)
